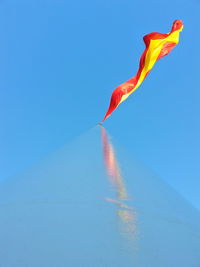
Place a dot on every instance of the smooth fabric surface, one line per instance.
(93, 204)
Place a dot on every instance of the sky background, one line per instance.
(60, 62)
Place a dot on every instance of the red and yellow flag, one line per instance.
(158, 45)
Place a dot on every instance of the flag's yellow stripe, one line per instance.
(153, 52)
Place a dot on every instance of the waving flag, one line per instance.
(158, 45)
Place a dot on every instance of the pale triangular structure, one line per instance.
(93, 204)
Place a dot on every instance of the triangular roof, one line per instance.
(93, 204)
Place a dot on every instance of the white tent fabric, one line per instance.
(93, 204)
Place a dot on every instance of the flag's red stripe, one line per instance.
(129, 85)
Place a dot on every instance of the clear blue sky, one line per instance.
(60, 61)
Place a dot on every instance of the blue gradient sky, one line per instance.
(60, 61)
